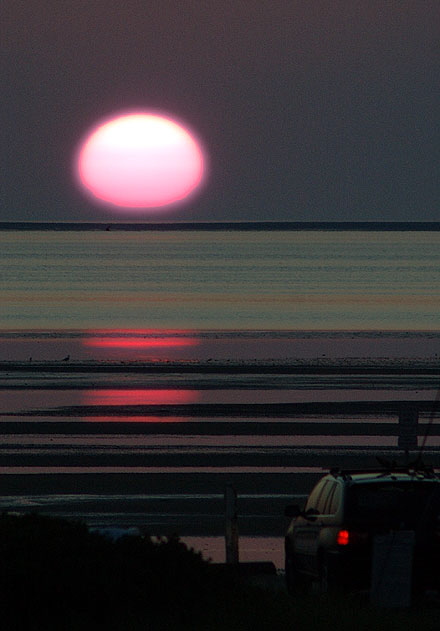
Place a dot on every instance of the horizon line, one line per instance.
(222, 225)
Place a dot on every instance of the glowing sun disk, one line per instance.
(139, 161)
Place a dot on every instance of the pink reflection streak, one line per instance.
(142, 343)
(135, 419)
(135, 343)
(141, 339)
(132, 340)
(122, 397)
(139, 397)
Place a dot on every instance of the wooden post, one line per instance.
(231, 533)
(408, 425)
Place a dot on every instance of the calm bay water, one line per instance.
(277, 280)
(197, 296)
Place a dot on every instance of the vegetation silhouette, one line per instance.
(57, 575)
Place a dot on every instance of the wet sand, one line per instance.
(153, 443)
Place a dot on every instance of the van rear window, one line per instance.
(393, 504)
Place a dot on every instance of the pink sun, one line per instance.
(140, 161)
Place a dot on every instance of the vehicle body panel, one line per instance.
(343, 514)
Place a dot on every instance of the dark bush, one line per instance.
(56, 574)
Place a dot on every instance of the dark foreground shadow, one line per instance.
(56, 575)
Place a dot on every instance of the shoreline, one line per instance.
(342, 365)
(244, 225)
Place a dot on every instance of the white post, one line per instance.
(392, 569)
(231, 533)
(408, 422)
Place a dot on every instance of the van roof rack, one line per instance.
(418, 469)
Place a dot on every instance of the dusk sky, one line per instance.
(309, 110)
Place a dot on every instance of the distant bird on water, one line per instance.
(66, 358)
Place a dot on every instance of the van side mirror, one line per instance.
(293, 510)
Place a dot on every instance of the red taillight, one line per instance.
(343, 538)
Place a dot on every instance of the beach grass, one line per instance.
(56, 574)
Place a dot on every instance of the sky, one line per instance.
(308, 110)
